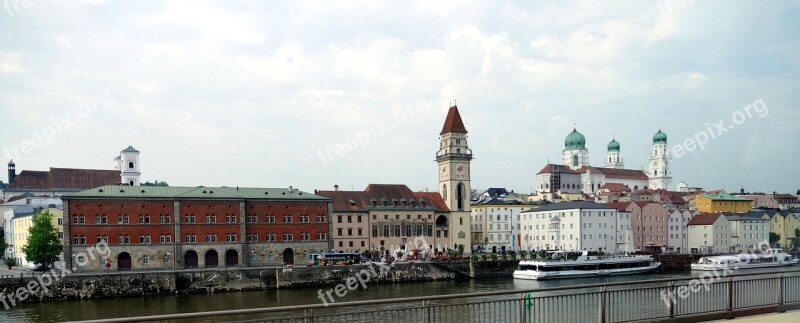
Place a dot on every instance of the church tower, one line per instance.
(614, 160)
(12, 171)
(454, 158)
(575, 153)
(128, 165)
(660, 175)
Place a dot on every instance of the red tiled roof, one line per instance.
(65, 178)
(620, 206)
(552, 168)
(361, 200)
(704, 219)
(453, 122)
(615, 187)
(784, 196)
(616, 172)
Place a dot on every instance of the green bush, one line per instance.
(494, 257)
(513, 257)
(474, 258)
(483, 257)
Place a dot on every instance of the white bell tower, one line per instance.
(660, 173)
(128, 165)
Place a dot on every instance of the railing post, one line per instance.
(601, 306)
(427, 317)
(729, 304)
(671, 299)
(780, 289)
(308, 313)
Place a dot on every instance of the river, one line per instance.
(165, 304)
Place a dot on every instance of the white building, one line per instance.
(748, 230)
(576, 225)
(676, 230)
(709, 233)
(496, 224)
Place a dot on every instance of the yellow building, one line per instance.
(784, 223)
(721, 202)
(22, 224)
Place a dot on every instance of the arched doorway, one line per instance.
(212, 258)
(288, 256)
(494, 249)
(190, 259)
(124, 261)
(231, 258)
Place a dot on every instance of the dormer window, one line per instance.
(374, 202)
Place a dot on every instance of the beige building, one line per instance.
(496, 224)
(709, 233)
(22, 224)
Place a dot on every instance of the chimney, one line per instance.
(336, 188)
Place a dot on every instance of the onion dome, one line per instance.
(613, 145)
(575, 140)
(660, 137)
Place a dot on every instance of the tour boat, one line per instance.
(558, 265)
(770, 258)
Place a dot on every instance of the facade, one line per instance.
(709, 233)
(676, 230)
(389, 217)
(660, 170)
(453, 158)
(748, 230)
(577, 225)
(496, 224)
(784, 223)
(649, 223)
(576, 175)
(721, 202)
(22, 222)
(161, 227)
(59, 181)
(624, 235)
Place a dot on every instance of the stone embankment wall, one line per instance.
(85, 286)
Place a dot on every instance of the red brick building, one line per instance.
(189, 227)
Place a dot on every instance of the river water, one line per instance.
(166, 304)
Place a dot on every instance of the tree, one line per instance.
(43, 246)
(3, 244)
(774, 238)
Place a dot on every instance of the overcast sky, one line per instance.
(261, 94)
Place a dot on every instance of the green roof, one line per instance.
(575, 140)
(724, 197)
(200, 192)
(130, 149)
(660, 137)
(613, 145)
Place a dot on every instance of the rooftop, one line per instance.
(571, 205)
(172, 192)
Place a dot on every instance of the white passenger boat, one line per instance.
(559, 265)
(769, 258)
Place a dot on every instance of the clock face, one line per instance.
(461, 169)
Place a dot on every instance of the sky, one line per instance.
(323, 93)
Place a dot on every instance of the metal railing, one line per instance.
(680, 300)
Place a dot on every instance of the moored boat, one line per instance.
(769, 258)
(559, 265)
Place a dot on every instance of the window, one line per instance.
(287, 218)
(230, 237)
(144, 219)
(288, 236)
(321, 219)
(145, 259)
(166, 259)
(321, 236)
(165, 238)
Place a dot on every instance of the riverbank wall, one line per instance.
(58, 285)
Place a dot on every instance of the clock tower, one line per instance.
(454, 158)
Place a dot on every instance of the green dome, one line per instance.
(613, 145)
(575, 140)
(660, 137)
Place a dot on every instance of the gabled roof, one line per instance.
(615, 187)
(453, 122)
(362, 200)
(615, 172)
(554, 168)
(571, 205)
(620, 206)
(704, 219)
(64, 178)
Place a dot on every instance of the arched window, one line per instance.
(131, 183)
(444, 192)
(636, 187)
(460, 196)
(575, 160)
(130, 165)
